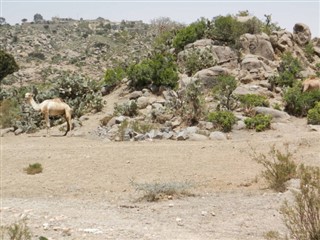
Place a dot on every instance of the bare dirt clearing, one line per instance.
(86, 191)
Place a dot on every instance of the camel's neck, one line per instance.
(35, 105)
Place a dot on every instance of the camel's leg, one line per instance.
(46, 118)
(68, 119)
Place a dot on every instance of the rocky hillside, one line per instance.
(183, 112)
(86, 47)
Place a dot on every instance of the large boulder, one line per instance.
(257, 44)
(254, 67)
(219, 55)
(301, 34)
(282, 40)
(209, 77)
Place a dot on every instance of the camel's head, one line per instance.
(28, 96)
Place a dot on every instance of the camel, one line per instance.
(51, 107)
(311, 84)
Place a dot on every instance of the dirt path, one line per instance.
(86, 190)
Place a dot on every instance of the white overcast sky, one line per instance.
(286, 13)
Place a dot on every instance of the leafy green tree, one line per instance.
(288, 70)
(189, 34)
(7, 64)
(224, 91)
(37, 18)
(298, 103)
(227, 29)
(160, 70)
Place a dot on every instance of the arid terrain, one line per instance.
(87, 188)
(92, 182)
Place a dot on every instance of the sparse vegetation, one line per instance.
(191, 107)
(157, 191)
(302, 216)
(16, 231)
(33, 169)
(223, 91)
(279, 167)
(129, 109)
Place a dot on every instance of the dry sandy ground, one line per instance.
(86, 190)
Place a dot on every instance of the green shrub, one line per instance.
(80, 92)
(253, 100)
(129, 109)
(141, 127)
(309, 51)
(298, 103)
(314, 115)
(302, 217)
(223, 91)
(279, 167)
(140, 74)
(113, 76)
(317, 69)
(189, 34)
(192, 107)
(228, 29)
(9, 112)
(8, 64)
(160, 70)
(222, 120)
(33, 169)
(197, 59)
(259, 122)
(288, 70)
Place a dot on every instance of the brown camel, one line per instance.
(311, 84)
(51, 107)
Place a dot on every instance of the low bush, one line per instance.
(197, 59)
(222, 120)
(279, 167)
(9, 112)
(314, 115)
(157, 191)
(33, 169)
(302, 216)
(288, 70)
(113, 76)
(249, 101)
(129, 109)
(298, 103)
(16, 231)
(259, 122)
